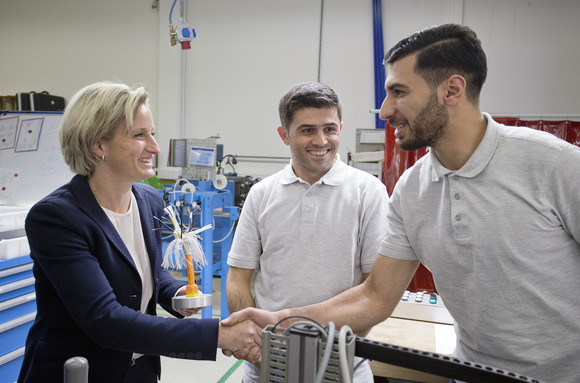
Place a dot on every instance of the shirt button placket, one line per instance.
(457, 206)
(308, 206)
(457, 198)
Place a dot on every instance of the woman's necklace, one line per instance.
(110, 206)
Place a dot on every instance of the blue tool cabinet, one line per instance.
(17, 313)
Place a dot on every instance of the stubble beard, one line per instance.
(428, 127)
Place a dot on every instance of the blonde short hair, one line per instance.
(93, 114)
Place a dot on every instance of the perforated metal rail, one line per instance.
(436, 364)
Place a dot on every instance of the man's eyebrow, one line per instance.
(397, 85)
(315, 125)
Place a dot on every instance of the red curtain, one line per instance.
(398, 160)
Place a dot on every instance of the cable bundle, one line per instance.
(184, 250)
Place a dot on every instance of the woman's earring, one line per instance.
(103, 157)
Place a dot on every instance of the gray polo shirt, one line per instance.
(501, 237)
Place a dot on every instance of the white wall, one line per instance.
(245, 56)
(533, 54)
(248, 53)
(62, 45)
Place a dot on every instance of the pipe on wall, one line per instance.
(320, 39)
(379, 53)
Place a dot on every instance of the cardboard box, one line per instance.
(7, 103)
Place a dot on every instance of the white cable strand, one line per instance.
(342, 353)
(327, 352)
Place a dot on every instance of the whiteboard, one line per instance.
(31, 164)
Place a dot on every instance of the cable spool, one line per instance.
(220, 182)
(188, 188)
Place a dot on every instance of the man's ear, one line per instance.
(453, 90)
(283, 134)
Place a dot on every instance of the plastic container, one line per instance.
(12, 217)
(13, 241)
(14, 247)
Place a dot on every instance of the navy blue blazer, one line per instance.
(88, 291)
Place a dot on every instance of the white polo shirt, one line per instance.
(309, 242)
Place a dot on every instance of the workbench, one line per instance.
(420, 335)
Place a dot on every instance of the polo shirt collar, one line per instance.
(478, 160)
(334, 176)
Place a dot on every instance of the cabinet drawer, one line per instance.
(10, 365)
(16, 288)
(13, 333)
(17, 307)
(15, 273)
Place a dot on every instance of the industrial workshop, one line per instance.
(292, 191)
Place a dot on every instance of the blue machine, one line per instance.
(217, 209)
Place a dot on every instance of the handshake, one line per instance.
(240, 334)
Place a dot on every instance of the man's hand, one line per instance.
(261, 317)
(242, 339)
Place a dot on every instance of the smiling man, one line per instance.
(491, 211)
(313, 229)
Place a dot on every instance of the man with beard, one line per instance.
(491, 211)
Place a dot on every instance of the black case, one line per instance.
(42, 101)
(23, 101)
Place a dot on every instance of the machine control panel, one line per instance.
(422, 306)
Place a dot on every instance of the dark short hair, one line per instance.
(442, 51)
(307, 95)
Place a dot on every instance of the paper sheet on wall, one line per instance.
(31, 163)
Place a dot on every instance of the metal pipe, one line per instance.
(554, 117)
(261, 158)
(320, 39)
(378, 46)
(182, 85)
